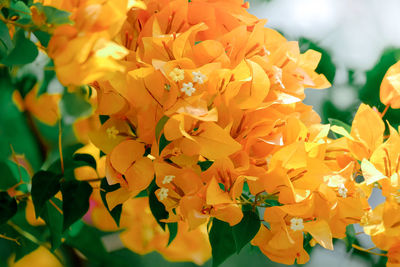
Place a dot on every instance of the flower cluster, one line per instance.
(204, 100)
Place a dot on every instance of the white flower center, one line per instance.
(198, 77)
(188, 88)
(177, 74)
(168, 179)
(342, 190)
(163, 193)
(112, 132)
(296, 224)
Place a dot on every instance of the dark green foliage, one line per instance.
(106, 188)
(45, 185)
(8, 207)
(76, 196)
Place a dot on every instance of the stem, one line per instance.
(384, 111)
(60, 146)
(368, 250)
(55, 206)
(11, 239)
(33, 239)
(16, 162)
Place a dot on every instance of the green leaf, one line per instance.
(8, 207)
(117, 210)
(86, 158)
(76, 196)
(54, 221)
(246, 230)
(24, 246)
(5, 40)
(350, 237)
(49, 75)
(163, 143)
(341, 124)
(156, 207)
(53, 15)
(103, 118)
(88, 241)
(160, 126)
(204, 165)
(43, 37)
(24, 52)
(143, 193)
(7, 178)
(222, 242)
(45, 185)
(173, 231)
(74, 106)
(19, 12)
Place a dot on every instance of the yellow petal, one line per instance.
(370, 173)
(321, 232)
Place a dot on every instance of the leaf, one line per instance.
(76, 196)
(24, 52)
(53, 15)
(54, 221)
(43, 37)
(156, 207)
(204, 165)
(7, 178)
(222, 242)
(173, 231)
(340, 123)
(160, 126)
(88, 241)
(350, 237)
(19, 12)
(24, 246)
(163, 143)
(8, 207)
(86, 158)
(5, 40)
(49, 75)
(45, 184)
(117, 210)
(246, 230)
(74, 105)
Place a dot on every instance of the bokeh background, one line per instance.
(358, 39)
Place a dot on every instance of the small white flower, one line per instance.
(112, 132)
(342, 190)
(188, 88)
(177, 74)
(163, 193)
(198, 77)
(168, 179)
(296, 224)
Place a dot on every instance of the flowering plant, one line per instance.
(193, 136)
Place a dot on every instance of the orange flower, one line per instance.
(390, 87)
